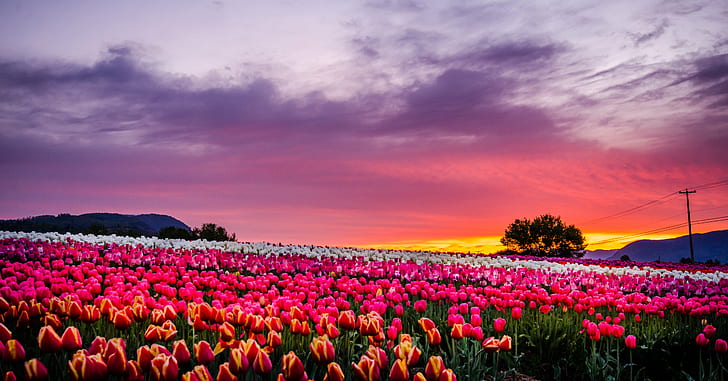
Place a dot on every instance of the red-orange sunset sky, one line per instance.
(405, 124)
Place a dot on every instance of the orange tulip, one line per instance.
(203, 353)
(433, 369)
(399, 371)
(48, 340)
(225, 374)
(322, 350)
(433, 337)
(334, 372)
(35, 370)
(457, 331)
(292, 368)
(262, 363)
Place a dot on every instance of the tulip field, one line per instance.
(77, 307)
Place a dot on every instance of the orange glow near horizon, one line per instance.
(491, 244)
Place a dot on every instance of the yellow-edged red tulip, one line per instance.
(90, 314)
(322, 350)
(225, 374)
(121, 320)
(152, 334)
(419, 377)
(52, 320)
(202, 373)
(35, 370)
(226, 331)
(447, 375)
(98, 345)
(490, 345)
(292, 368)
(457, 331)
(164, 368)
(433, 369)
(239, 363)
(71, 339)
(413, 357)
(426, 324)
(399, 371)
(274, 339)
(181, 352)
(378, 355)
(115, 355)
(251, 348)
(84, 367)
(73, 309)
(505, 343)
(144, 357)
(167, 331)
(433, 337)
(5, 333)
(203, 353)
(366, 369)
(274, 323)
(48, 340)
(14, 351)
(133, 371)
(347, 320)
(262, 363)
(334, 372)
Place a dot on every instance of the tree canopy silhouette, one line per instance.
(544, 236)
(212, 232)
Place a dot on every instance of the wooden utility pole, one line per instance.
(690, 227)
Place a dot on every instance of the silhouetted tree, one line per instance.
(174, 232)
(212, 232)
(545, 235)
(625, 258)
(96, 229)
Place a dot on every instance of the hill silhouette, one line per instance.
(707, 246)
(135, 225)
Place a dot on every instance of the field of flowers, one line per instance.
(75, 307)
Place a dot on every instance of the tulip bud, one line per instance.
(14, 351)
(203, 353)
(413, 357)
(239, 363)
(9, 375)
(224, 373)
(292, 368)
(262, 364)
(419, 377)
(121, 320)
(334, 372)
(721, 346)
(98, 345)
(420, 306)
(433, 369)
(181, 352)
(701, 340)
(630, 342)
(499, 325)
(399, 371)
(516, 313)
(201, 373)
(35, 370)
(164, 368)
(48, 340)
(447, 375)
(71, 339)
(433, 337)
(227, 332)
(347, 320)
(322, 350)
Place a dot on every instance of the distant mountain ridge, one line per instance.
(140, 224)
(707, 246)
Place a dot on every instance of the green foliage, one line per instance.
(212, 232)
(545, 235)
(173, 232)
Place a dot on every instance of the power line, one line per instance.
(661, 230)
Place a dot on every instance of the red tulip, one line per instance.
(505, 343)
(251, 349)
(274, 339)
(115, 356)
(426, 324)
(499, 325)
(71, 339)
(366, 370)
(201, 373)
(203, 353)
(292, 368)
(225, 374)
(322, 350)
(709, 331)
(433, 337)
(701, 340)
(378, 355)
(262, 363)
(334, 372)
(84, 368)
(721, 346)
(447, 375)
(14, 351)
(35, 370)
(226, 331)
(457, 332)
(239, 363)
(9, 375)
(617, 331)
(133, 371)
(420, 306)
(433, 369)
(544, 309)
(516, 313)
(630, 342)
(98, 345)
(399, 371)
(5, 333)
(347, 320)
(90, 314)
(490, 345)
(48, 340)
(164, 368)
(419, 377)
(121, 320)
(181, 352)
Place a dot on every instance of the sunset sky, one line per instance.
(373, 123)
